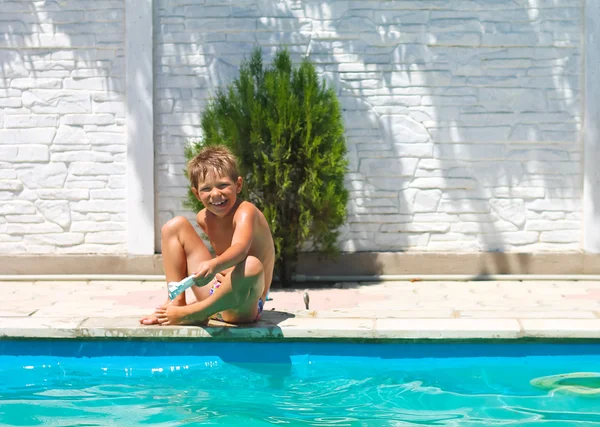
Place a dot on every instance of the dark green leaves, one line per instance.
(285, 127)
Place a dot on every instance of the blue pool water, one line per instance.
(74, 383)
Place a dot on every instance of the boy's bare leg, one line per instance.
(182, 250)
(247, 281)
(236, 299)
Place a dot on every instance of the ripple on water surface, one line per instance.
(176, 391)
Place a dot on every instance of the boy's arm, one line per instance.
(202, 310)
(244, 221)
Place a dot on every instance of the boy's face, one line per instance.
(218, 193)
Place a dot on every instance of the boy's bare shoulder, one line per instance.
(246, 210)
(201, 219)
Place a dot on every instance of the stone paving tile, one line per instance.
(16, 312)
(442, 309)
(299, 327)
(448, 304)
(571, 305)
(129, 327)
(29, 327)
(376, 314)
(561, 328)
(576, 284)
(24, 309)
(528, 314)
(119, 283)
(554, 293)
(59, 311)
(290, 327)
(447, 328)
(57, 284)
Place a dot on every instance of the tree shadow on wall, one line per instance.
(456, 142)
(62, 65)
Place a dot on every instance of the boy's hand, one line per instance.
(205, 273)
(169, 315)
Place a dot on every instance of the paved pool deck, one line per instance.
(442, 309)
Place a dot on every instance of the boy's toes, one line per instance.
(162, 320)
(149, 320)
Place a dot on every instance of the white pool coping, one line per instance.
(305, 328)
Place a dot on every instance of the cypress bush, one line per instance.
(286, 129)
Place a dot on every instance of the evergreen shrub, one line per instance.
(285, 127)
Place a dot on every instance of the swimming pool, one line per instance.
(126, 383)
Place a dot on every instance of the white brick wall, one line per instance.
(62, 127)
(463, 117)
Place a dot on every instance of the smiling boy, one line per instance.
(234, 283)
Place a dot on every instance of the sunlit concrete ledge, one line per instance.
(272, 328)
(313, 264)
(373, 311)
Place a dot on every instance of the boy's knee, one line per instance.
(253, 267)
(173, 225)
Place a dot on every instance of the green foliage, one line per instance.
(286, 129)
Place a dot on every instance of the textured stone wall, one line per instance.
(463, 117)
(62, 121)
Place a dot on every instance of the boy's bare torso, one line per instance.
(220, 233)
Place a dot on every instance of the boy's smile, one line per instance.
(218, 193)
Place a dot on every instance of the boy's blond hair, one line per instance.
(214, 158)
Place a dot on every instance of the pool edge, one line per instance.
(301, 328)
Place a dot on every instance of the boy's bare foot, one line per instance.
(151, 319)
(173, 315)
